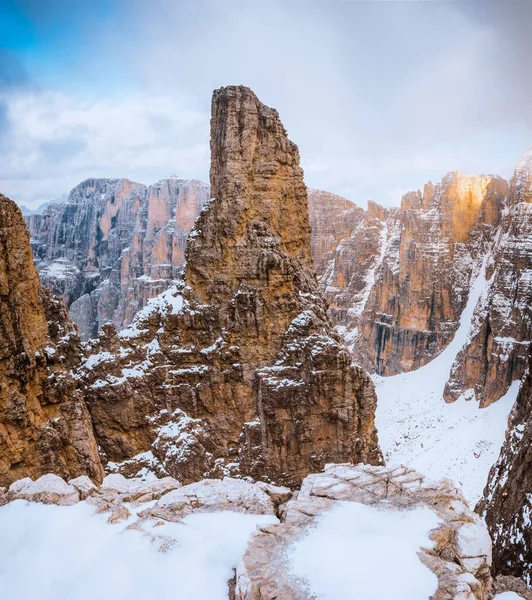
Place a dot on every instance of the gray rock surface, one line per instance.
(113, 244)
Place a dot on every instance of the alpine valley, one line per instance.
(249, 389)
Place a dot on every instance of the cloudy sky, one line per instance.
(380, 96)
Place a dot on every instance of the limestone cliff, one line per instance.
(113, 245)
(332, 219)
(501, 330)
(434, 247)
(237, 368)
(44, 424)
(507, 502)
(399, 279)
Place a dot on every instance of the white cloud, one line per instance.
(379, 96)
(54, 141)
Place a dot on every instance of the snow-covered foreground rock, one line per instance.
(334, 539)
(352, 542)
(418, 428)
(103, 548)
(72, 553)
(364, 532)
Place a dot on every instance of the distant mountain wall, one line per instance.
(113, 245)
(397, 280)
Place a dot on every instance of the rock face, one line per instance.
(399, 279)
(237, 368)
(460, 556)
(507, 502)
(501, 330)
(399, 282)
(44, 424)
(333, 220)
(113, 245)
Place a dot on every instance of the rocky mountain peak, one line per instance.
(261, 199)
(240, 359)
(522, 180)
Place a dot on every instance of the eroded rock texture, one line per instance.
(398, 284)
(237, 369)
(333, 220)
(507, 501)
(501, 330)
(44, 424)
(113, 245)
(460, 556)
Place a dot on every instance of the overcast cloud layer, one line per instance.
(380, 96)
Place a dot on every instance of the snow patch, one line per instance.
(75, 554)
(343, 556)
(418, 428)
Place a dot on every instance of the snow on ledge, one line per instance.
(353, 542)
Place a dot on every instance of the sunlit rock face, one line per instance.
(44, 424)
(398, 284)
(498, 349)
(237, 369)
(113, 245)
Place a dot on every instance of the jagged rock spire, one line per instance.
(247, 354)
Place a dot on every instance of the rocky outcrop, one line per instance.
(423, 283)
(332, 219)
(113, 245)
(44, 424)
(399, 279)
(460, 555)
(507, 501)
(237, 368)
(398, 284)
(454, 551)
(501, 331)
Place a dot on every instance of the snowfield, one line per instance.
(359, 552)
(68, 552)
(419, 429)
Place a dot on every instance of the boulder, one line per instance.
(212, 495)
(48, 489)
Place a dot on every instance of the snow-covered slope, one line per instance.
(74, 553)
(417, 428)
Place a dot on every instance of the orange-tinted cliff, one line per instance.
(44, 424)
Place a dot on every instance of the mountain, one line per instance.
(500, 348)
(507, 501)
(501, 330)
(399, 279)
(26, 212)
(237, 369)
(44, 422)
(113, 245)
(236, 372)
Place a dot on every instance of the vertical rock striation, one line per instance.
(238, 367)
(113, 245)
(332, 219)
(399, 282)
(507, 501)
(44, 424)
(498, 347)
(423, 281)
